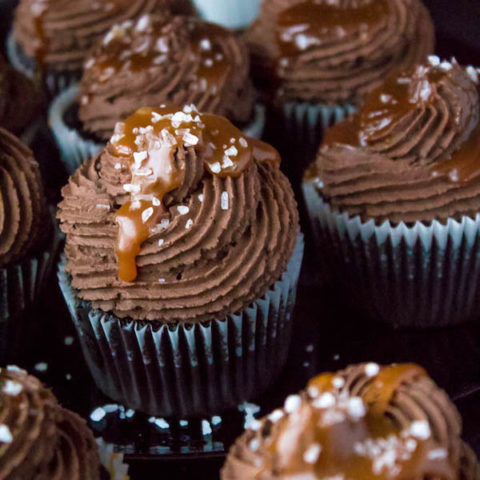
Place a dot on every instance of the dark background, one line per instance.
(328, 336)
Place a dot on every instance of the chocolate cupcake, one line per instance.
(51, 39)
(27, 242)
(20, 103)
(160, 59)
(183, 254)
(394, 197)
(320, 58)
(363, 422)
(41, 439)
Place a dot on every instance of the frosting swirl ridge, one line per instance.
(411, 153)
(180, 219)
(23, 209)
(335, 52)
(165, 59)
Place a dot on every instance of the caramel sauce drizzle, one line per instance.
(205, 40)
(149, 140)
(312, 23)
(329, 448)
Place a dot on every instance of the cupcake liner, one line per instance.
(20, 286)
(75, 149)
(189, 370)
(111, 461)
(407, 275)
(306, 124)
(54, 81)
(235, 14)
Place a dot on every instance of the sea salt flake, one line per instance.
(183, 209)
(161, 280)
(215, 167)
(216, 420)
(200, 197)
(338, 382)
(205, 44)
(446, 66)
(372, 369)
(139, 157)
(164, 223)
(189, 224)
(231, 152)
(161, 242)
(438, 453)
(12, 388)
(117, 166)
(472, 73)
(206, 428)
(254, 445)
(5, 434)
(131, 188)
(146, 214)
(420, 429)
(326, 400)
(292, 403)
(276, 415)
(243, 142)
(356, 408)
(312, 453)
(224, 201)
(434, 60)
(98, 414)
(14, 368)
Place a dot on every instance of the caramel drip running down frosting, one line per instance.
(180, 219)
(335, 52)
(168, 59)
(149, 138)
(38, 438)
(413, 150)
(364, 422)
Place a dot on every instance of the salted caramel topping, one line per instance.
(402, 93)
(353, 437)
(150, 139)
(312, 23)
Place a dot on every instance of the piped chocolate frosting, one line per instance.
(180, 219)
(38, 438)
(361, 423)
(334, 52)
(58, 34)
(413, 150)
(23, 209)
(165, 59)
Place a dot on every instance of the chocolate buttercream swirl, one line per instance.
(412, 153)
(165, 59)
(196, 217)
(23, 210)
(363, 422)
(19, 100)
(38, 438)
(336, 52)
(58, 34)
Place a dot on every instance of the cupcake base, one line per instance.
(417, 275)
(54, 82)
(75, 146)
(187, 370)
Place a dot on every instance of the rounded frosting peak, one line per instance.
(165, 59)
(363, 422)
(23, 209)
(180, 218)
(335, 52)
(412, 151)
(59, 33)
(38, 438)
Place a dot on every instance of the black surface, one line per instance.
(328, 336)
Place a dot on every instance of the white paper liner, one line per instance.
(419, 275)
(54, 82)
(189, 370)
(235, 14)
(75, 149)
(112, 462)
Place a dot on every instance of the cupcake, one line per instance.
(394, 198)
(182, 259)
(20, 103)
(41, 439)
(160, 59)
(236, 14)
(320, 58)
(363, 422)
(27, 243)
(51, 39)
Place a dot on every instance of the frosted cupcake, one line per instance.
(51, 39)
(394, 197)
(159, 59)
(183, 254)
(320, 58)
(41, 439)
(365, 421)
(27, 243)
